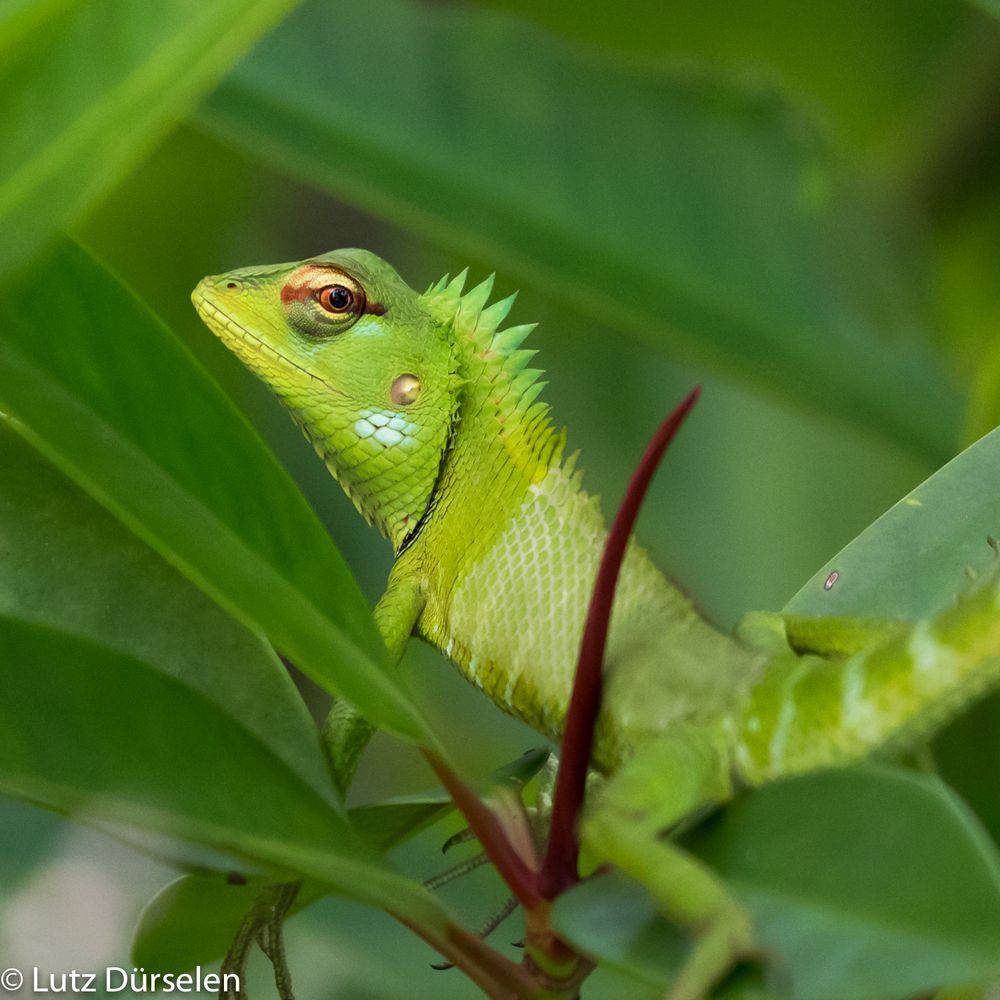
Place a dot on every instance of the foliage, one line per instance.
(812, 233)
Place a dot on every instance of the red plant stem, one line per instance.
(559, 870)
(520, 879)
(495, 975)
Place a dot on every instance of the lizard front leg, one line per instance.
(346, 732)
(667, 780)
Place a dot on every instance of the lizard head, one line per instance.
(364, 364)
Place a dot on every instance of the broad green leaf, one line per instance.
(106, 392)
(386, 824)
(68, 564)
(87, 88)
(192, 920)
(865, 883)
(911, 562)
(701, 214)
(993, 6)
(965, 755)
(26, 837)
(851, 59)
(18, 18)
(102, 736)
(614, 921)
(392, 821)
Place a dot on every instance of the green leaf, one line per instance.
(27, 835)
(391, 821)
(103, 736)
(993, 6)
(702, 215)
(18, 18)
(865, 883)
(106, 392)
(965, 755)
(70, 565)
(87, 88)
(867, 74)
(911, 562)
(614, 921)
(192, 920)
(386, 824)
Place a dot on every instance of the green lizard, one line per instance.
(427, 413)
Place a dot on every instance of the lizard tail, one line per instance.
(809, 712)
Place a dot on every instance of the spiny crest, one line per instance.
(478, 324)
(444, 295)
(497, 367)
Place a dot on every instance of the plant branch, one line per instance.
(495, 975)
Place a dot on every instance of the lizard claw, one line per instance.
(462, 837)
(486, 930)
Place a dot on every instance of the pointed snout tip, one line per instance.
(208, 295)
(200, 291)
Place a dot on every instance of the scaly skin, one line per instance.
(427, 414)
(506, 533)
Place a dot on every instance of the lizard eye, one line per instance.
(323, 301)
(336, 298)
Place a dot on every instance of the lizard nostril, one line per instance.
(231, 284)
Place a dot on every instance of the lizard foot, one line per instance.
(486, 930)
(263, 925)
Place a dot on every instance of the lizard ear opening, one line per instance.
(405, 390)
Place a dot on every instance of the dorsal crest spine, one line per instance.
(496, 366)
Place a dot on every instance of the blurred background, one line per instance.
(797, 207)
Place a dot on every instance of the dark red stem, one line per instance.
(521, 879)
(559, 870)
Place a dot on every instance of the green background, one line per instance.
(770, 478)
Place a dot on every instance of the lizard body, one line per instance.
(427, 413)
(497, 541)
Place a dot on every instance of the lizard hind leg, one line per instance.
(668, 779)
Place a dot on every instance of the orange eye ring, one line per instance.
(341, 299)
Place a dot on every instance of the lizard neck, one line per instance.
(387, 461)
(388, 455)
(477, 423)
(502, 442)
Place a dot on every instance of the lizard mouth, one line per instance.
(246, 345)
